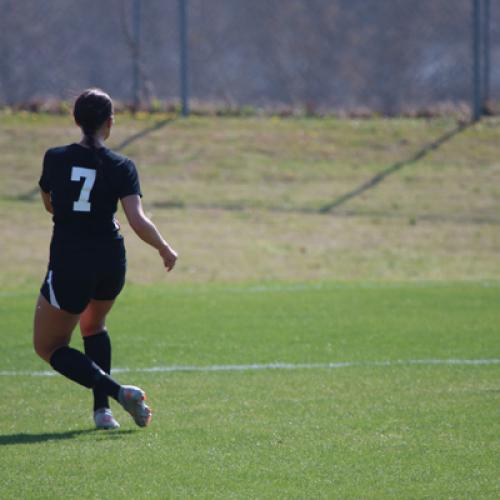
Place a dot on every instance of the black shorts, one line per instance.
(78, 273)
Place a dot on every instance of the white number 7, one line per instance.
(77, 173)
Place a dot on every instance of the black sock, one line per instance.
(98, 349)
(81, 369)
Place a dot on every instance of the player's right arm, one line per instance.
(47, 202)
(146, 230)
(45, 183)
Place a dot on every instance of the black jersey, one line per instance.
(85, 186)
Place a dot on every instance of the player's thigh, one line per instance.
(93, 318)
(52, 328)
(109, 282)
(69, 285)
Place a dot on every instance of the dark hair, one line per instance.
(92, 108)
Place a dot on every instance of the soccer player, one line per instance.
(81, 185)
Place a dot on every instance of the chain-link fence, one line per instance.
(318, 55)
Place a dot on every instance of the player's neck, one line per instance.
(98, 142)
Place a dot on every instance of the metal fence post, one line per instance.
(486, 40)
(137, 53)
(476, 49)
(184, 75)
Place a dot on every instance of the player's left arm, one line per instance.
(47, 202)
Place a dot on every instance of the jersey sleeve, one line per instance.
(44, 181)
(128, 182)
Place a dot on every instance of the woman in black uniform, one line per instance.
(81, 185)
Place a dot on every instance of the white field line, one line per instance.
(274, 366)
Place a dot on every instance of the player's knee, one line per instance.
(90, 329)
(45, 348)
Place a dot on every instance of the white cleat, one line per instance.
(132, 399)
(103, 418)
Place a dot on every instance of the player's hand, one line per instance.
(169, 256)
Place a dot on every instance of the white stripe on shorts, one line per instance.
(52, 295)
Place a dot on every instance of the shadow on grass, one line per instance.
(23, 438)
(343, 199)
(31, 195)
(327, 208)
(378, 178)
(143, 133)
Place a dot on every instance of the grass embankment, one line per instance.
(240, 198)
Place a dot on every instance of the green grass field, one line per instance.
(367, 430)
(292, 353)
